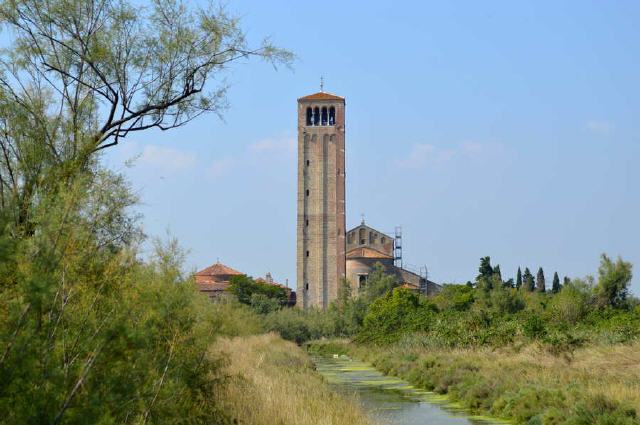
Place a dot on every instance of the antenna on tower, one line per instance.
(322, 83)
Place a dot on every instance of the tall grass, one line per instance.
(272, 381)
(595, 385)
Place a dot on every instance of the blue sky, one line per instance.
(507, 129)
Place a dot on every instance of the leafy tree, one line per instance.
(89, 332)
(555, 286)
(485, 278)
(540, 281)
(528, 281)
(347, 312)
(485, 270)
(454, 298)
(613, 282)
(398, 312)
(344, 292)
(248, 291)
(378, 284)
(81, 75)
(566, 281)
(263, 304)
(497, 273)
(519, 279)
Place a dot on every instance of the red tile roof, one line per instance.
(321, 96)
(218, 269)
(266, 282)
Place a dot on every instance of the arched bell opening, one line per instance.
(309, 116)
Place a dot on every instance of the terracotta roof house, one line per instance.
(214, 280)
(291, 295)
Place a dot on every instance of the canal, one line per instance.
(391, 400)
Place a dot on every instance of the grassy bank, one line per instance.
(272, 381)
(597, 385)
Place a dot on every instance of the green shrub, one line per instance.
(300, 326)
(534, 327)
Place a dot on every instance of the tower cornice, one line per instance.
(320, 96)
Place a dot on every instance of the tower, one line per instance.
(320, 260)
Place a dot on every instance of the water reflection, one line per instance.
(391, 400)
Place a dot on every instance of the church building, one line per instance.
(326, 253)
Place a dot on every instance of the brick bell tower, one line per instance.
(320, 261)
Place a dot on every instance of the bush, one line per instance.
(300, 326)
(398, 312)
(534, 327)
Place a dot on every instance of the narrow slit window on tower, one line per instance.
(308, 162)
(309, 116)
(307, 192)
(332, 116)
(306, 286)
(325, 117)
(306, 222)
(316, 116)
(307, 253)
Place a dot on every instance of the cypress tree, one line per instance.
(485, 276)
(497, 273)
(528, 281)
(566, 281)
(519, 279)
(485, 269)
(540, 281)
(555, 286)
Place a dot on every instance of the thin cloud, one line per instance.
(601, 128)
(274, 145)
(167, 160)
(422, 153)
(220, 167)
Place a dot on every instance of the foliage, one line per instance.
(524, 385)
(86, 327)
(89, 332)
(80, 75)
(540, 281)
(454, 297)
(378, 284)
(519, 279)
(461, 315)
(398, 312)
(347, 312)
(263, 297)
(272, 381)
(555, 286)
(527, 280)
(613, 283)
(300, 326)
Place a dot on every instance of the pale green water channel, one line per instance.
(391, 400)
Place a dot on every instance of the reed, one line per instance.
(528, 384)
(272, 381)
